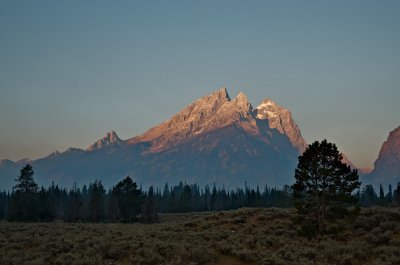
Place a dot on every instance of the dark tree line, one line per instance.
(92, 203)
(126, 202)
(368, 197)
(191, 198)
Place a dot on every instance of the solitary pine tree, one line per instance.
(323, 187)
(23, 203)
(128, 199)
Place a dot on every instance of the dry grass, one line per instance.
(244, 236)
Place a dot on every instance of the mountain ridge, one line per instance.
(216, 138)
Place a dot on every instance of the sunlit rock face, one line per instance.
(110, 139)
(387, 166)
(215, 139)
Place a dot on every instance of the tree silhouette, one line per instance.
(323, 187)
(149, 212)
(96, 204)
(74, 204)
(23, 204)
(128, 199)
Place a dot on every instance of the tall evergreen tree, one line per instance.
(74, 204)
(382, 199)
(96, 204)
(323, 187)
(45, 207)
(149, 212)
(128, 199)
(24, 202)
(368, 196)
(397, 195)
(389, 195)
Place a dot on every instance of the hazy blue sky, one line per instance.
(72, 70)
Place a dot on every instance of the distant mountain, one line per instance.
(219, 139)
(215, 139)
(387, 166)
(9, 171)
(111, 139)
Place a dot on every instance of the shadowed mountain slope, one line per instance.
(214, 139)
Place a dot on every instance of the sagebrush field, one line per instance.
(244, 236)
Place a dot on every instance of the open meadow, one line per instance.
(244, 236)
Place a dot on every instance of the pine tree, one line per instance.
(368, 196)
(96, 205)
(46, 211)
(186, 199)
(324, 186)
(397, 195)
(149, 212)
(24, 202)
(382, 199)
(389, 195)
(74, 204)
(128, 198)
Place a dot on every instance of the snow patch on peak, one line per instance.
(281, 119)
(266, 103)
(215, 111)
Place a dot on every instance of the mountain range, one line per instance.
(216, 139)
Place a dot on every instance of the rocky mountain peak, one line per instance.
(207, 113)
(221, 93)
(217, 110)
(281, 119)
(242, 101)
(54, 154)
(24, 161)
(111, 138)
(387, 166)
(390, 148)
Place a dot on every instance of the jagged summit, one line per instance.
(220, 93)
(205, 114)
(24, 161)
(54, 154)
(217, 110)
(215, 139)
(243, 102)
(387, 166)
(281, 119)
(111, 138)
